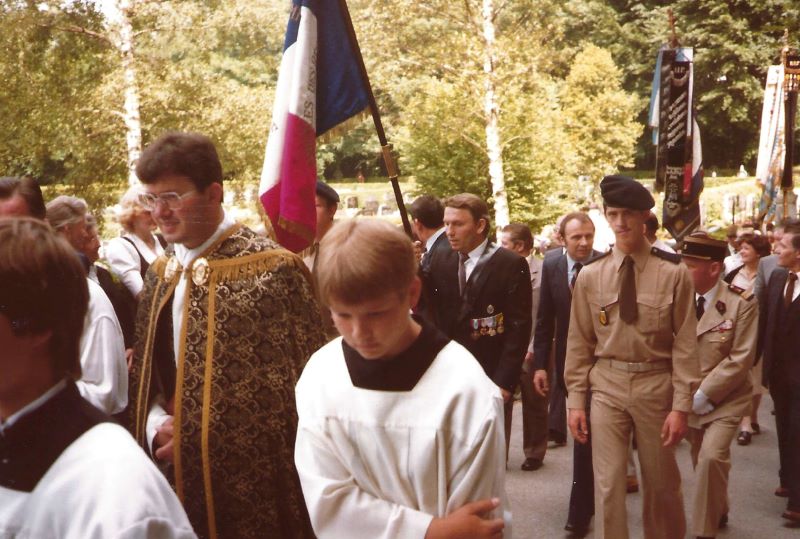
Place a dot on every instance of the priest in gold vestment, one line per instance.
(226, 322)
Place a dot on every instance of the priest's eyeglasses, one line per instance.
(172, 200)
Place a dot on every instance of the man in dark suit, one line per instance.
(517, 237)
(780, 330)
(480, 294)
(427, 214)
(559, 272)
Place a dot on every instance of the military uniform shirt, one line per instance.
(664, 329)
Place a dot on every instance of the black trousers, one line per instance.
(581, 498)
(786, 396)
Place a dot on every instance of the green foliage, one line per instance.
(599, 114)
(573, 81)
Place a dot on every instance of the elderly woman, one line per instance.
(104, 374)
(751, 249)
(131, 254)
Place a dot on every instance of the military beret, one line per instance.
(327, 192)
(625, 192)
(701, 245)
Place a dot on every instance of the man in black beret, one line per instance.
(632, 346)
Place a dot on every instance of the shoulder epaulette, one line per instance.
(670, 257)
(747, 295)
(598, 257)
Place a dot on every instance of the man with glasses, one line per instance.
(212, 387)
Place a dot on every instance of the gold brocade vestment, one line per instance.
(250, 325)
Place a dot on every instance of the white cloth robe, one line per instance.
(104, 370)
(102, 486)
(383, 464)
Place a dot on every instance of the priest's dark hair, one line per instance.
(43, 289)
(364, 259)
(191, 155)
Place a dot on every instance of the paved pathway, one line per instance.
(539, 499)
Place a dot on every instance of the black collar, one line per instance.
(32, 444)
(400, 373)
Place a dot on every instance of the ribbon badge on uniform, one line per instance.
(725, 325)
(490, 325)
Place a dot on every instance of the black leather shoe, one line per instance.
(723, 520)
(531, 464)
(577, 530)
(744, 438)
(756, 428)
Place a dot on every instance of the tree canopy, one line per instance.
(572, 88)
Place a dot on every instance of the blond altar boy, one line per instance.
(400, 431)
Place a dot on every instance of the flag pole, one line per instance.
(386, 148)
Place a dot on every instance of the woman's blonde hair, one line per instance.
(130, 207)
(363, 259)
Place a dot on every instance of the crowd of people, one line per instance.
(202, 381)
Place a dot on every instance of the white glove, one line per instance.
(700, 404)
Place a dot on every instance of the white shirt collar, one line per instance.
(185, 255)
(433, 238)
(710, 296)
(475, 254)
(31, 406)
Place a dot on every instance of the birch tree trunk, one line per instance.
(124, 43)
(492, 112)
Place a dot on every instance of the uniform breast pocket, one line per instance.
(605, 311)
(655, 312)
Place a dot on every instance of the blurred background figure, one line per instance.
(21, 197)
(651, 227)
(104, 379)
(131, 254)
(120, 297)
(752, 248)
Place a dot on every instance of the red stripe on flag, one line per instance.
(289, 204)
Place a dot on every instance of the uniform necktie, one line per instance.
(627, 292)
(787, 299)
(576, 269)
(462, 273)
(701, 307)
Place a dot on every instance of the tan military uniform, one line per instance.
(637, 373)
(726, 340)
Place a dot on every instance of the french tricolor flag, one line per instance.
(319, 87)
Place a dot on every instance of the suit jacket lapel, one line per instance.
(561, 278)
(477, 279)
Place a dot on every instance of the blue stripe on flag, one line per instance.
(341, 92)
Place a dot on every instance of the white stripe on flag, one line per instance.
(295, 94)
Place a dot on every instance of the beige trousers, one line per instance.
(620, 401)
(711, 457)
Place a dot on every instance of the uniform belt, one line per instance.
(639, 366)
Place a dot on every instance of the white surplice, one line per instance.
(383, 464)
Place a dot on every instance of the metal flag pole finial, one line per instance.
(673, 40)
